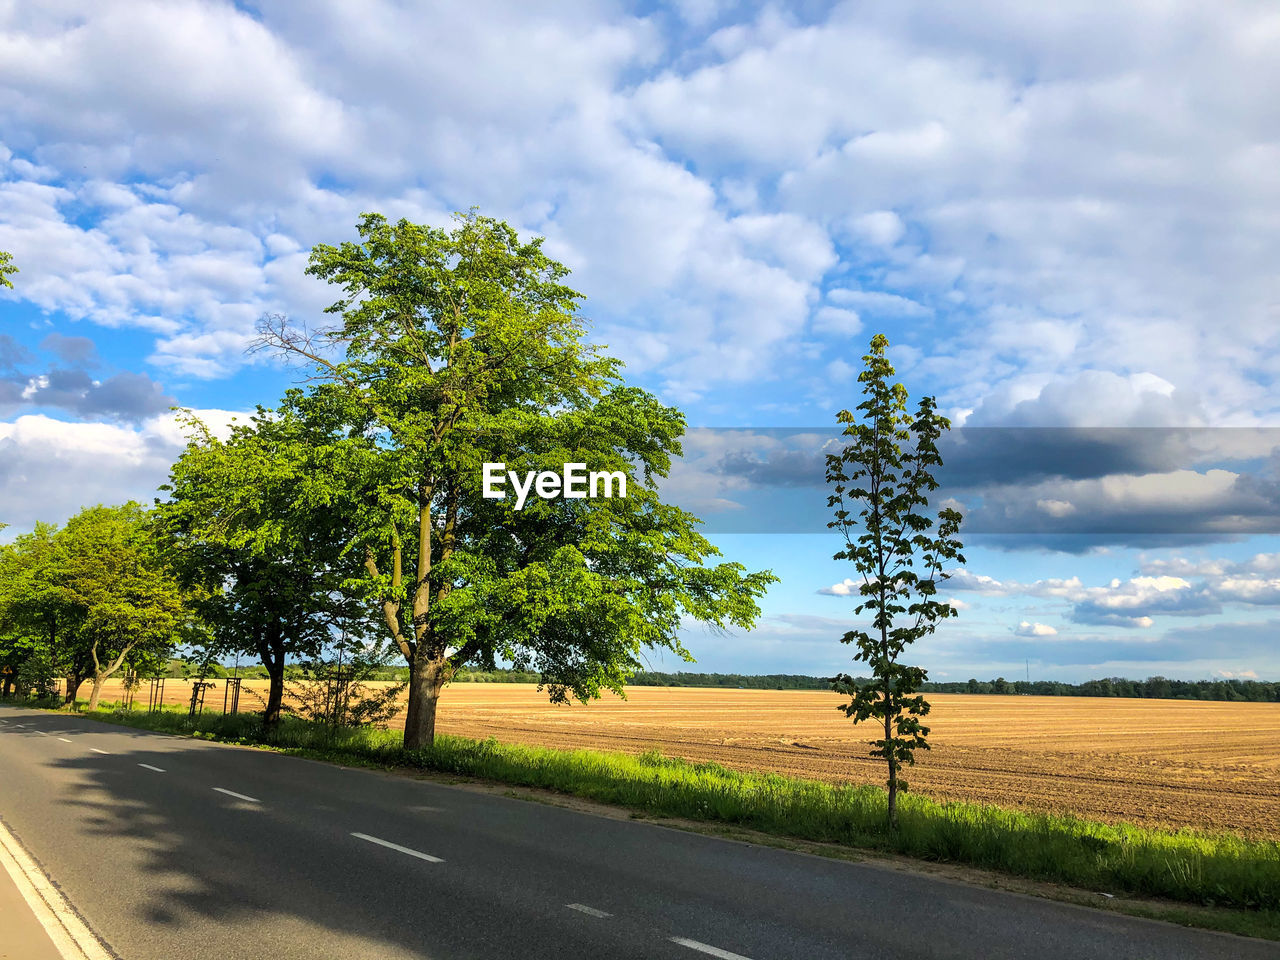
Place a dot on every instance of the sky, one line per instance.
(1066, 219)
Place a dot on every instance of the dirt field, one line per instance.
(1150, 762)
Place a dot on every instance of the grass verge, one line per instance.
(1189, 867)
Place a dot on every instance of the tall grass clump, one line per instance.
(1185, 865)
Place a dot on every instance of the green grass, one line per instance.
(1187, 866)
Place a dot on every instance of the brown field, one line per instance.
(1161, 763)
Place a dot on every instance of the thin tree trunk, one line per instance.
(270, 644)
(893, 774)
(98, 680)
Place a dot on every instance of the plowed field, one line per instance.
(1166, 763)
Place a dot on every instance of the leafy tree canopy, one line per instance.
(254, 531)
(460, 347)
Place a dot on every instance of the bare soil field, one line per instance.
(1158, 763)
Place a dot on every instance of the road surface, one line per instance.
(175, 849)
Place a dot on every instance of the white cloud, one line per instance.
(1028, 629)
(848, 587)
(1079, 211)
(50, 468)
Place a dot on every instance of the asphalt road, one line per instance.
(173, 849)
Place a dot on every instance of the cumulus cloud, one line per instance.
(1028, 629)
(848, 587)
(50, 468)
(730, 195)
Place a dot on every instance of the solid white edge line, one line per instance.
(395, 846)
(704, 948)
(63, 925)
(238, 796)
(96, 750)
(589, 911)
(147, 766)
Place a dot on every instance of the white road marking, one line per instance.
(395, 846)
(589, 911)
(147, 766)
(238, 796)
(20, 726)
(96, 750)
(704, 948)
(65, 928)
(64, 739)
(42, 733)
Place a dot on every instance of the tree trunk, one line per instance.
(426, 680)
(270, 644)
(73, 685)
(275, 695)
(893, 775)
(98, 680)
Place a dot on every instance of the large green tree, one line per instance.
(880, 482)
(454, 348)
(256, 531)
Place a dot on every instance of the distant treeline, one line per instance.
(1158, 688)
(767, 681)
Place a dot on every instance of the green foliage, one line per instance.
(95, 595)
(1186, 866)
(113, 573)
(333, 688)
(36, 674)
(881, 480)
(6, 270)
(461, 347)
(254, 533)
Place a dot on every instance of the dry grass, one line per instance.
(1154, 763)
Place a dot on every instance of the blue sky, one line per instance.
(1061, 219)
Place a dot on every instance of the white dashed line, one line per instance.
(704, 948)
(238, 796)
(395, 846)
(147, 766)
(96, 750)
(64, 739)
(42, 733)
(589, 911)
(21, 726)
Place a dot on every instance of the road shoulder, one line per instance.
(36, 922)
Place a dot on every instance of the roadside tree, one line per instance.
(461, 347)
(36, 610)
(254, 530)
(881, 481)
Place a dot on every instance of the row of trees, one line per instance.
(354, 507)
(85, 600)
(362, 494)
(1156, 688)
